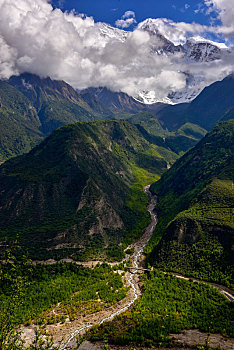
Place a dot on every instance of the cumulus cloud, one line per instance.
(225, 12)
(126, 20)
(38, 39)
(177, 32)
(8, 55)
(47, 42)
(128, 14)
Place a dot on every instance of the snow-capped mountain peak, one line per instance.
(198, 39)
(150, 97)
(109, 32)
(202, 51)
(164, 44)
(196, 49)
(193, 50)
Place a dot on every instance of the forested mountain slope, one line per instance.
(80, 190)
(19, 123)
(178, 141)
(32, 107)
(195, 209)
(56, 102)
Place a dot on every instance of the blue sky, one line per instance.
(63, 45)
(111, 10)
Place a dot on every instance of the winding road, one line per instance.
(132, 280)
(223, 290)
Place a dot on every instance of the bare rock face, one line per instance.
(194, 337)
(86, 345)
(184, 230)
(203, 51)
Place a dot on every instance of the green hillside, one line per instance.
(31, 108)
(168, 305)
(56, 102)
(19, 123)
(79, 192)
(178, 141)
(195, 208)
(34, 107)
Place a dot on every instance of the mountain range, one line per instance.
(116, 210)
(33, 107)
(195, 50)
(85, 183)
(83, 154)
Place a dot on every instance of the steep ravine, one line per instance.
(132, 281)
(131, 276)
(70, 330)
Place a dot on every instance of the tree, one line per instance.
(13, 283)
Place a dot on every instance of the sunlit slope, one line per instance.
(79, 193)
(195, 209)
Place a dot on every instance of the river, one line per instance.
(133, 283)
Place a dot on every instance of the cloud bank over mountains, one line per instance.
(38, 39)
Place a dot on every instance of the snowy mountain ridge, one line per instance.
(192, 50)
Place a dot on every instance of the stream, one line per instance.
(136, 257)
(138, 250)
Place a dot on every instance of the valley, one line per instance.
(86, 181)
(69, 331)
(131, 280)
(74, 204)
(116, 175)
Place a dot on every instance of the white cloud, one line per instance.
(126, 20)
(200, 8)
(177, 32)
(125, 23)
(129, 14)
(67, 46)
(37, 39)
(225, 12)
(8, 55)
